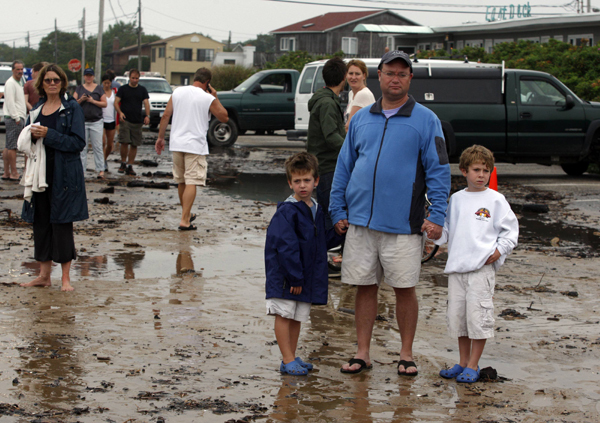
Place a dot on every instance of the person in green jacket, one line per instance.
(326, 130)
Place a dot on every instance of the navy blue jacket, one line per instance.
(69, 202)
(296, 253)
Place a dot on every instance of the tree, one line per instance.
(264, 43)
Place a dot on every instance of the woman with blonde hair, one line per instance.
(359, 96)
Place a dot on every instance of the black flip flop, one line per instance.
(363, 366)
(5, 179)
(406, 365)
(188, 228)
(192, 217)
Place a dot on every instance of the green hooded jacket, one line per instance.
(326, 130)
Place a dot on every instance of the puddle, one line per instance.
(196, 262)
(257, 187)
(532, 230)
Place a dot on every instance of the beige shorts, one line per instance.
(370, 255)
(130, 133)
(470, 305)
(290, 309)
(189, 169)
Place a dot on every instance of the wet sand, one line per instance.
(170, 326)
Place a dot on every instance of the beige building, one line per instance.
(177, 58)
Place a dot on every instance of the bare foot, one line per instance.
(66, 286)
(39, 281)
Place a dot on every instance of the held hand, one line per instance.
(38, 131)
(296, 290)
(146, 120)
(122, 116)
(159, 146)
(341, 227)
(433, 231)
(494, 257)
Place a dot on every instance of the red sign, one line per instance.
(74, 65)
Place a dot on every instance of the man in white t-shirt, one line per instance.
(191, 107)
(15, 113)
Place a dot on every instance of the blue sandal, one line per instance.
(452, 373)
(468, 375)
(293, 368)
(307, 366)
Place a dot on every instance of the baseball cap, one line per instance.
(395, 55)
(88, 71)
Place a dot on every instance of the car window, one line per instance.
(319, 81)
(276, 83)
(4, 75)
(537, 92)
(247, 83)
(307, 80)
(156, 86)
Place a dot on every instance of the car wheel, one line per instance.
(222, 134)
(575, 169)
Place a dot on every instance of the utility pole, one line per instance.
(140, 36)
(98, 69)
(82, 45)
(55, 42)
(14, 51)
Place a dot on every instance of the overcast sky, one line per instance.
(244, 18)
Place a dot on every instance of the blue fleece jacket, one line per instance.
(296, 253)
(386, 166)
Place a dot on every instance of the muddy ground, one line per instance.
(169, 326)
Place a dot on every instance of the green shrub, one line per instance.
(227, 77)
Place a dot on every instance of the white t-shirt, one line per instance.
(108, 112)
(363, 98)
(476, 225)
(191, 116)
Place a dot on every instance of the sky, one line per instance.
(244, 18)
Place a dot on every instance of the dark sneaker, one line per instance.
(130, 171)
(122, 168)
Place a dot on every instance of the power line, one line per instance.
(192, 23)
(395, 8)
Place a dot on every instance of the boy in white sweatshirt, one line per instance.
(481, 230)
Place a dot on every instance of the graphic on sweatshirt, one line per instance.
(483, 214)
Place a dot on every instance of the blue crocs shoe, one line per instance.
(307, 366)
(293, 368)
(452, 373)
(468, 375)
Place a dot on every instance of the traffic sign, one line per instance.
(74, 65)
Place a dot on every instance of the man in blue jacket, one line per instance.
(394, 152)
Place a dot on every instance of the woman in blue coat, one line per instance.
(58, 122)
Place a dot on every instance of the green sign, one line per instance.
(503, 13)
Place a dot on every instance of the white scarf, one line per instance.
(35, 174)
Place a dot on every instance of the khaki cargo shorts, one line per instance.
(370, 256)
(130, 133)
(189, 169)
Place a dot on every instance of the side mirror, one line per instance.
(256, 89)
(570, 102)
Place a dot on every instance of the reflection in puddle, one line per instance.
(258, 187)
(216, 260)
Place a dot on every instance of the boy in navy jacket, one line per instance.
(296, 259)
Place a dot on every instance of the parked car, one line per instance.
(159, 91)
(262, 103)
(523, 116)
